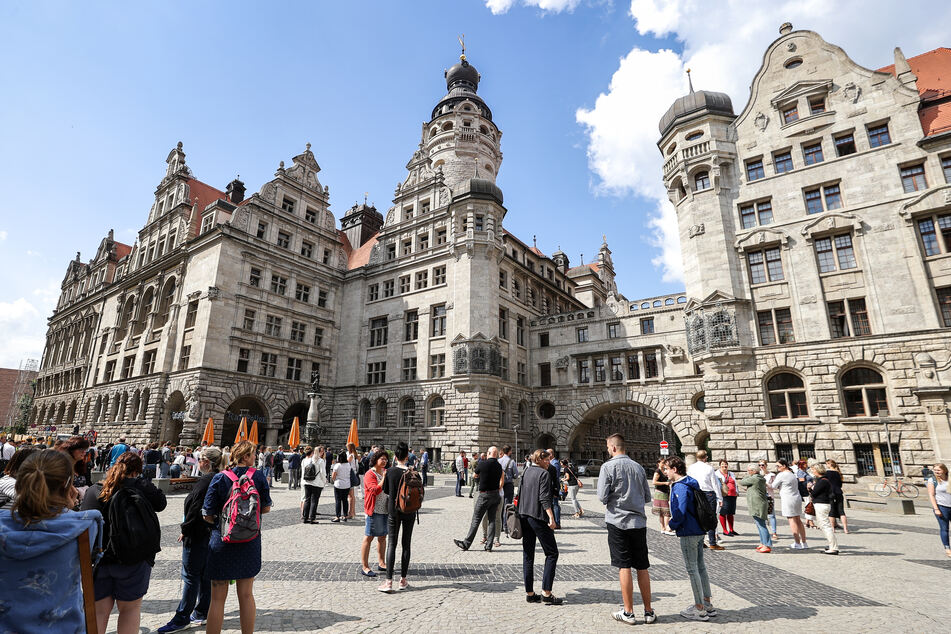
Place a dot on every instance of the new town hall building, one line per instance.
(816, 233)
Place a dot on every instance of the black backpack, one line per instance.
(706, 516)
(310, 471)
(454, 467)
(134, 531)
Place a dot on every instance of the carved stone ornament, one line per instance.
(791, 47)
(269, 192)
(937, 408)
(761, 121)
(696, 230)
(851, 92)
(561, 363)
(808, 299)
(192, 408)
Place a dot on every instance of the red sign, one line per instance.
(664, 444)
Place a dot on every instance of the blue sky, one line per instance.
(97, 93)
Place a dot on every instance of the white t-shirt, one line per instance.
(770, 476)
(941, 494)
(342, 470)
(7, 451)
(706, 477)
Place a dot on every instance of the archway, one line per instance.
(299, 410)
(249, 407)
(174, 417)
(545, 441)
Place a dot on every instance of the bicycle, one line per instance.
(901, 488)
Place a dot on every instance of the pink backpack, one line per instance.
(241, 515)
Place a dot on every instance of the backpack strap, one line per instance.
(230, 475)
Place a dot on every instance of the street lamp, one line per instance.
(883, 417)
(515, 427)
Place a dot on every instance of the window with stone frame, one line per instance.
(647, 325)
(262, 230)
(782, 161)
(819, 199)
(785, 452)
(249, 315)
(846, 313)
(439, 275)
(283, 239)
(504, 414)
(614, 330)
(148, 362)
(438, 321)
(516, 288)
(302, 293)
(519, 330)
(790, 114)
(408, 412)
(321, 298)
(422, 279)
(411, 325)
(422, 241)
(812, 153)
(440, 236)
(835, 253)
(544, 339)
(633, 367)
(378, 332)
(617, 374)
(765, 265)
(319, 337)
(651, 369)
(373, 292)
(293, 369)
(946, 168)
(287, 205)
(298, 331)
(701, 180)
(944, 305)
(864, 392)
(913, 178)
(128, 366)
(503, 323)
(407, 247)
(583, 371)
(437, 412)
(844, 144)
(754, 169)
(408, 212)
(437, 366)
(544, 374)
(310, 216)
(504, 368)
(244, 359)
(185, 357)
(817, 105)
(110, 370)
(376, 372)
(787, 396)
(581, 334)
(272, 325)
(600, 374)
(306, 249)
(878, 135)
(207, 222)
(391, 252)
(503, 279)
(191, 314)
(521, 373)
(278, 284)
(409, 369)
(389, 288)
(254, 279)
(760, 213)
(326, 258)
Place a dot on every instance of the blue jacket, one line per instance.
(41, 562)
(683, 518)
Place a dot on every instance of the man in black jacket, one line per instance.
(489, 473)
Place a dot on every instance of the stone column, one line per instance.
(642, 369)
(659, 355)
(933, 399)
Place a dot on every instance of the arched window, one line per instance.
(447, 126)
(503, 413)
(864, 392)
(522, 415)
(408, 412)
(701, 181)
(364, 419)
(127, 311)
(787, 396)
(381, 412)
(437, 412)
(168, 296)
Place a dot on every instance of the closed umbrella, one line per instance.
(253, 435)
(242, 430)
(208, 438)
(353, 436)
(294, 439)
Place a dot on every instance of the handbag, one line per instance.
(354, 479)
(810, 509)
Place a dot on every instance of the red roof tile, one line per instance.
(360, 256)
(205, 195)
(122, 250)
(936, 119)
(933, 70)
(537, 252)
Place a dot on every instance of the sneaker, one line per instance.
(533, 598)
(794, 546)
(625, 617)
(830, 552)
(709, 609)
(386, 586)
(804, 546)
(693, 614)
(195, 621)
(552, 600)
(172, 626)
(650, 617)
(404, 584)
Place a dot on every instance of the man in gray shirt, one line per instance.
(623, 489)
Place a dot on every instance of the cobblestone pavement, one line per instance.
(310, 579)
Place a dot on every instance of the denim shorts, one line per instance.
(376, 525)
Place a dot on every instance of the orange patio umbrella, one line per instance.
(294, 439)
(353, 436)
(253, 434)
(242, 430)
(209, 436)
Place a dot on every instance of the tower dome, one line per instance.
(462, 83)
(695, 104)
(463, 74)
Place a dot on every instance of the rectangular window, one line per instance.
(617, 372)
(319, 337)
(306, 249)
(503, 279)
(422, 240)
(946, 168)
(944, 305)
(633, 368)
(298, 330)
(322, 298)
(302, 293)
(293, 369)
(422, 279)
(128, 366)
(844, 144)
(764, 212)
(439, 275)
(929, 237)
(407, 247)
(408, 213)
(326, 258)
(272, 325)
(376, 373)
(110, 370)
(148, 362)
(812, 154)
(262, 230)
(503, 323)
(647, 326)
(479, 223)
(283, 240)
(543, 340)
(650, 365)
(437, 366)
(791, 114)
(278, 284)
(833, 196)
(785, 452)
(424, 207)
(207, 222)
(404, 284)
(378, 332)
(504, 368)
(782, 161)
(878, 135)
(517, 289)
(838, 320)
(599, 370)
(185, 358)
(582, 334)
(191, 314)
(913, 178)
(784, 326)
(747, 216)
(521, 373)
(441, 236)
(766, 265)
(817, 105)
(859, 315)
(613, 330)
(411, 326)
(373, 292)
(391, 252)
(288, 205)
(310, 215)
(438, 324)
(520, 330)
(249, 319)
(754, 169)
(767, 334)
(583, 371)
(835, 249)
(825, 254)
(255, 278)
(814, 201)
(409, 369)
(544, 374)
(388, 288)
(244, 358)
(844, 251)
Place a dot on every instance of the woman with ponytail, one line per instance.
(39, 551)
(129, 503)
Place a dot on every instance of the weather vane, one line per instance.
(462, 43)
(365, 196)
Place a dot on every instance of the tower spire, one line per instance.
(689, 81)
(462, 45)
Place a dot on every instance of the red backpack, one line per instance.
(241, 514)
(410, 492)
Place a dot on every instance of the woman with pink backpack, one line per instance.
(235, 501)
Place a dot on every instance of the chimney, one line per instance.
(361, 223)
(235, 191)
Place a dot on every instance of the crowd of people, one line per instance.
(54, 505)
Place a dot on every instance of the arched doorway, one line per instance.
(174, 417)
(299, 410)
(640, 425)
(545, 441)
(249, 407)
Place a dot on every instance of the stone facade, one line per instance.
(813, 298)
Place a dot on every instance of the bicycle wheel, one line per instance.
(908, 490)
(883, 490)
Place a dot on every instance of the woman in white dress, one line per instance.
(786, 485)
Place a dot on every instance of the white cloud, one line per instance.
(552, 6)
(24, 332)
(723, 45)
(3, 235)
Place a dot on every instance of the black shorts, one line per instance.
(121, 582)
(628, 547)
